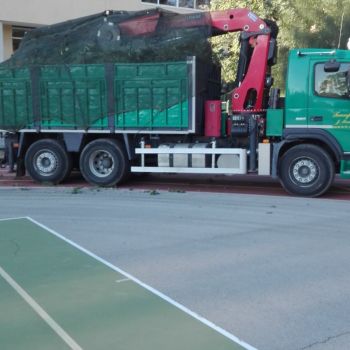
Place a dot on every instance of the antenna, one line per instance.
(341, 29)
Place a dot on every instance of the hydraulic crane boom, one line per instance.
(257, 49)
(239, 19)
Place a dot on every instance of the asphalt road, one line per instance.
(272, 270)
(246, 184)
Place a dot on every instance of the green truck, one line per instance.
(111, 119)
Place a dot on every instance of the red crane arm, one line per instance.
(235, 20)
(249, 94)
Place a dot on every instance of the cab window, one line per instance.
(331, 84)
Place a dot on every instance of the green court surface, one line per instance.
(56, 295)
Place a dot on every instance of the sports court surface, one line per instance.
(55, 294)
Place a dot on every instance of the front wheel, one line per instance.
(103, 162)
(306, 170)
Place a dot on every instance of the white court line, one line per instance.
(151, 289)
(40, 311)
(9, 219)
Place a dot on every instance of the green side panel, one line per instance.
(73, 96)
(15, 98)
(151, 96)
(345, 169)
(274, 122)
(146, 96)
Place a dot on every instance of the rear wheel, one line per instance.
(306, 170)
(103, 162)
(47, 161)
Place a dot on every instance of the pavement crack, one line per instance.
(328, 339)
(16, 246)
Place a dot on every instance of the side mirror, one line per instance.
(332, 66)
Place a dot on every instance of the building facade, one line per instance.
(19, 16)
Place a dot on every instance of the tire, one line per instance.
(306, 170)
(47, 161)
(103, 162)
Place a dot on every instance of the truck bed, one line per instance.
(147, 97)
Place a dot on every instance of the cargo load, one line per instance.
(117, 36)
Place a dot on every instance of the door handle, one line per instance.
(317, 118)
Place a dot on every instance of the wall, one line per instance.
(39, 12)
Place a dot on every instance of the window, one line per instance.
(194, 4)
(331, 84)
(18, 34)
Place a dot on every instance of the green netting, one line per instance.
(112, 36)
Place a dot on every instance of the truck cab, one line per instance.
(315, 118)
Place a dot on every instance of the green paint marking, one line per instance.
(97, 306)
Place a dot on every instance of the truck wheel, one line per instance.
(47, 161)
(306, 170)
(103, 162)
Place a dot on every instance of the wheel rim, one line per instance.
(46, 162)
(304, 171)
(101, 163)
